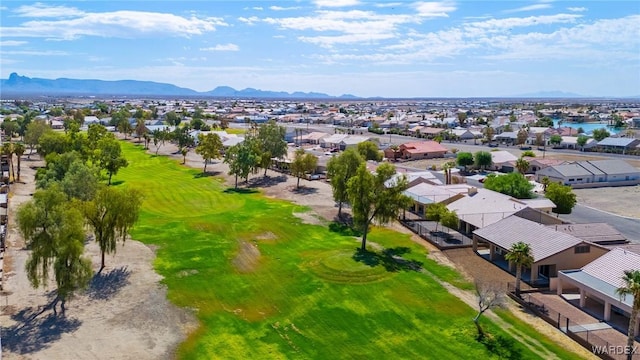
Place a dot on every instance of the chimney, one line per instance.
(472, 191)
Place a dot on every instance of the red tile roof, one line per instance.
(423, 147)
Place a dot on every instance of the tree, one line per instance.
(562, 196)
(109, 156)
(435, 212)
(464, 159)
(95, 133)
(483, 159)
(600, 134)
(124, 127)
(18, 150)
(243, 159)
(488, 133)
(582, 141)
(539, 139)
(80, 181)
(184, 151)
(372, 200)
(522, 136)
(7, 150)
(522, 165)
(303, 163)
(172, 118)
(141, 128)
(209, 147)
(462, 118)
(339, 170)
(271, 143)
(520, 255)
(53, 231)
(489, 296)
(110, 215)
(513, 184)
(545, 183)
(369, 151)
(32, 134)
(631, 287)
(555, 140)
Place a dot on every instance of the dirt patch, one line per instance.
(248, 257)
(310, 218)
(267, 236)
(621, 200)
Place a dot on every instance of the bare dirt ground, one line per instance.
(621, 200)
(125, 313)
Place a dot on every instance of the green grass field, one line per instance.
(264, 285)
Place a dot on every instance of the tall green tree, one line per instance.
(109, 156)
(562, 196)
(600, 134)
(488, 132)
(141, 128)
(555, 140)
(303, 163)
(243, 159)
(124, 127)
(54, 233)
(110, 215)
(339, 170)
(209, 147)
(513, 184)
(52, 142)
(95, 133)
(582, 141)
(372, 200)
(18, 150)
(464, 159)
(369, 151)
(522, 136)
(271, 143)
(520, 255)
(33, 132)
(483, 159)
(522, 165)
(631, 287)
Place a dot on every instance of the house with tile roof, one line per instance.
(594, 173)
(598, 280)
(420, 150)
(552, 250)
(599, 233)
(618, 144)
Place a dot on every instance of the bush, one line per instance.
(528, 153)
(502, 346)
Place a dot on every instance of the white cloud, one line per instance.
(259, 8)
(577, 9)
(529, 8)
(336, 3)
(37, 53)
(40, 10)
(250, 20)
(434, 9)
(123, 24)
(222, 47)
(11, 43)
(280, 8)
(385, 5)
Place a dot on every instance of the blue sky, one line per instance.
(360, 47)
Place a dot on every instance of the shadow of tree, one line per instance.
(207, 174)
(391, 259)
(103, 286)
(303, 190)
(240, 191)
(34, 331)
(267, 181)
(343, 228)
(117, 182)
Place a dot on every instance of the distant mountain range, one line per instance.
(22, 85)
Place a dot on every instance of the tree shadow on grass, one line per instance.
(344, 228)
(117, 182)
(240, 191)
(391, 259)
(207, 174)
(34, 330)
(105, 285)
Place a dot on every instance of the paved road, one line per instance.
(629, 227)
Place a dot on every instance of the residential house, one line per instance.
(598, 281)
(552, 250)
(595, 173)
(618, 145)
(419, 150)
(502, 160)
(424, 194)
(599, 233)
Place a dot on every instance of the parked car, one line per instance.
(525, 147)
(493, 144)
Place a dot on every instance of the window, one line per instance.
(583, 249)
(571, 180)
(579, 179)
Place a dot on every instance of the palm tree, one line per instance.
(19, 149)
(522, 165)
(520, 255)
(545, 182)
(7, 149)
(631, 287)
